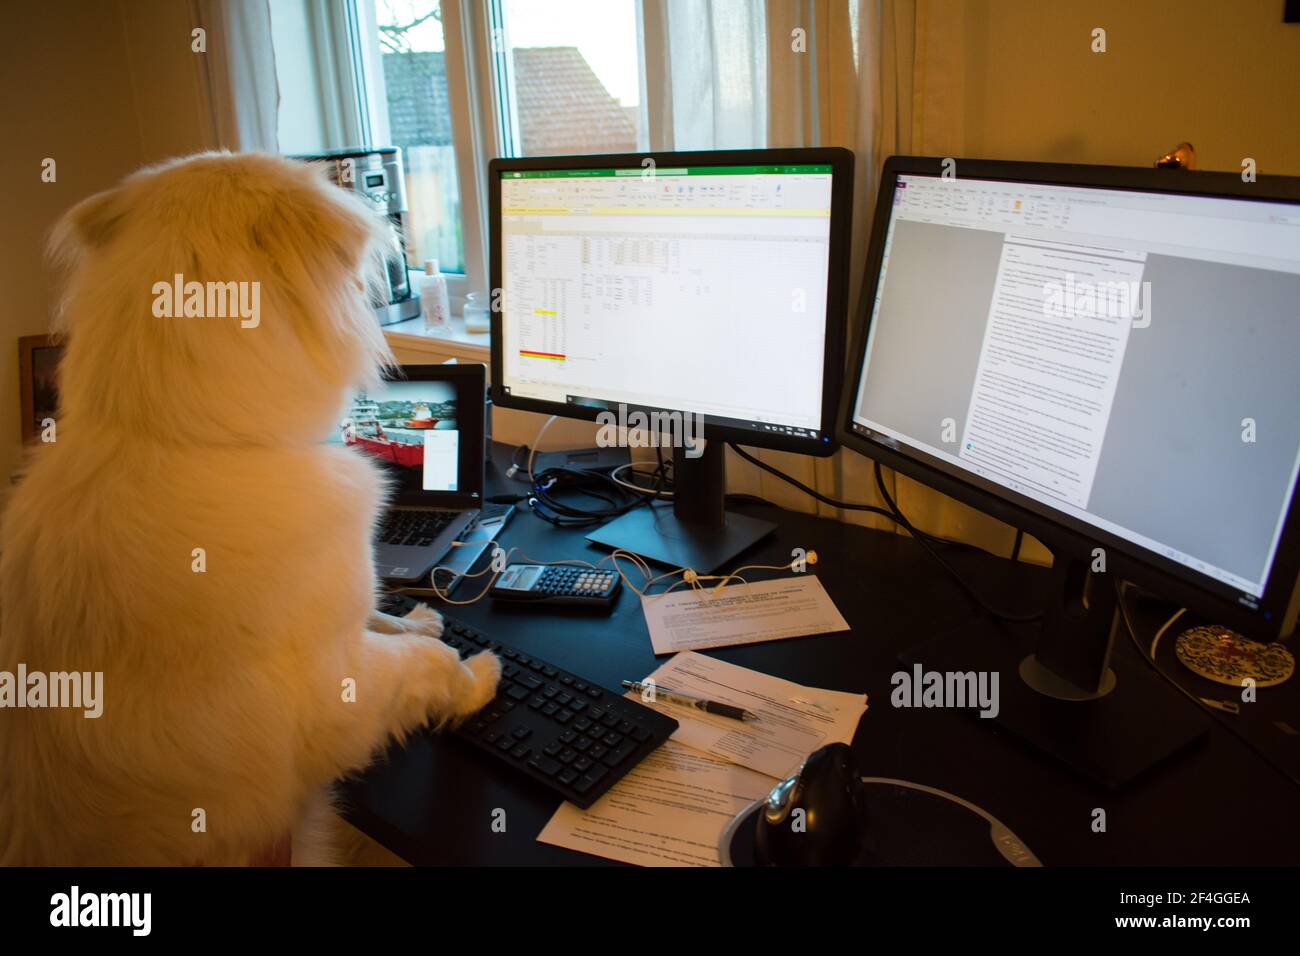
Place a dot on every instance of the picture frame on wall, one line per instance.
(38, 363)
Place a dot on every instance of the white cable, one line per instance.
(613, 476)
(532, 452)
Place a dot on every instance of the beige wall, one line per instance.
(67, 96)
(1223, 75)
(101, 88)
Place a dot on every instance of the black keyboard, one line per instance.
(415, 527)
(573, 736)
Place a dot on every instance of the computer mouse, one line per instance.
(816, 817)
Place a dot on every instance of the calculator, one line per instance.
(557, 584)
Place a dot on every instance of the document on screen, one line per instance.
(1054, 342)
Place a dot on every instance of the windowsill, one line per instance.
(413, 334)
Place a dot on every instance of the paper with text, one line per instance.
(740, 614)
(793, 720)
(670, 810)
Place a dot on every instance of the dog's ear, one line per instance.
(88, 225)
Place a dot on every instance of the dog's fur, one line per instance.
(224, 690)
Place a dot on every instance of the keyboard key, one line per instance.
(567, 737)
(567, 776)
(520, 752)
(545, 765)
(519, 693)
(521, 733)
(582, 764)
(589, 780)
(567, 755)
(619, 754)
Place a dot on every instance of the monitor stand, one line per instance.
(1065, 700)
(697, 532)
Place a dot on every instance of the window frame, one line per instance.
(479, 71)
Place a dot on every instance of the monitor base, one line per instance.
(658, 535)
(1110, 740)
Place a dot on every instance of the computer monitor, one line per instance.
(1106, 358)
(701, 293)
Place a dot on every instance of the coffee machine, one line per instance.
(376, 174)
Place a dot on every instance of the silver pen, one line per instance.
(698, 703)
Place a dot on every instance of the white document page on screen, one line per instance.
(1054, 343)
(441, 459)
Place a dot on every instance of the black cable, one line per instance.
(927, 541)
(956, 576)
(790, 480)
(1015, 548)
(617, 499)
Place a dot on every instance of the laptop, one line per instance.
(426, 425)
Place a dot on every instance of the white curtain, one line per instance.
(706, 63)
(238, 73)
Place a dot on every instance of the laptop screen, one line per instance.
(424, 424)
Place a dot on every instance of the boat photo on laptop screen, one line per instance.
(425, 423)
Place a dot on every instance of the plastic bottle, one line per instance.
(433, 297)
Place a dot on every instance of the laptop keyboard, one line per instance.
(418, 528)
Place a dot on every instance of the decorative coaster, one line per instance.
(1225, 657)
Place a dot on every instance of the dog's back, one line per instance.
(187, 535)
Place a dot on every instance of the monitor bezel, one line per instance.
(841, 163)
(470, 381)
(1058, 531)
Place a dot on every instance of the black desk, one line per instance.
(432, 801)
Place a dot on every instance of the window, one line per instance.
(413, 60)
(572, 76)
(454, 83)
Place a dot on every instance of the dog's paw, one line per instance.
(486, 670)
(423, 619)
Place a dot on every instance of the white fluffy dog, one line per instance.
(239, 680)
